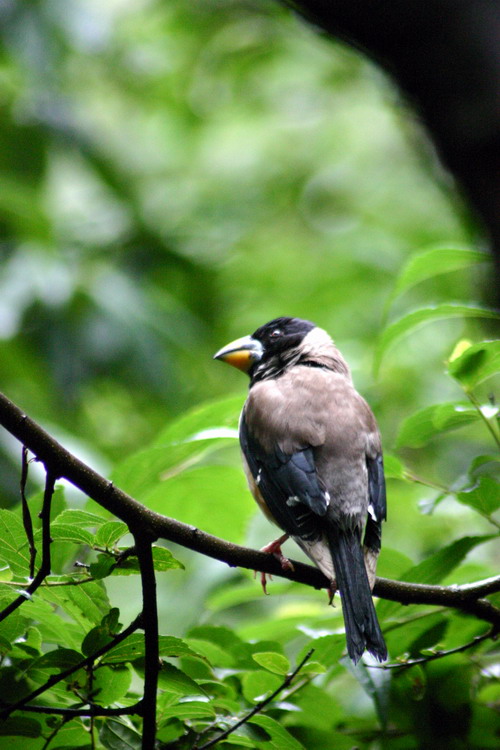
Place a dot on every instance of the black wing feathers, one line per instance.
(288, 483)
(376, 487)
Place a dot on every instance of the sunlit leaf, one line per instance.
(190, 710)
(73, 517)
(259, 684)
(132, 648)
(393, 467)
(273, 662)
(110, 532)
(431, 421)
(222, 414)
(14, 548)
(434, 261)
(110, 684)
(162, 557)
(280, 739)
(174, 680)
(413, 320)
(477, 363)
(213, 498)
(441, 563)
(485, 497)
(76, 534)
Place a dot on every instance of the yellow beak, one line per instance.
(242, 353)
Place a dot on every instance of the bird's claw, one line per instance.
(274, 548)
(332, 590)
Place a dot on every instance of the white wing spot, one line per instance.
(258, 477)
(293, 500)
(371, 511)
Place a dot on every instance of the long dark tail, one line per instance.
(361, 625)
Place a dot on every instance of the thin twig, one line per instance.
(27, 522)
(54, 733)
(259, 706)
(44, 570)
(488, 423)
(54, 679)
(92, 710)
(436, 655)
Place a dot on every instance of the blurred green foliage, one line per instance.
(172, 175)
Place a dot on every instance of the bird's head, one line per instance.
(277, 345)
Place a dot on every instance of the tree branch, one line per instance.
(143, 522)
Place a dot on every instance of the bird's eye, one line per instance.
(276, 333)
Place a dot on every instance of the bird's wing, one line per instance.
(376, 488)
(288, 483)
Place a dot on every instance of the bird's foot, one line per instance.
(332, 590)
(274, 548)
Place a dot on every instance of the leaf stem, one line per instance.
(491, 426)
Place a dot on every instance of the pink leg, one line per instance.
(274, 548)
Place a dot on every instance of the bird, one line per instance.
(312, 455)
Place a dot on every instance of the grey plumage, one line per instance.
(314, 445)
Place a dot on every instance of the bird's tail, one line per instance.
(361, 625)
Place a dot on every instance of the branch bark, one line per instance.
(144, 523)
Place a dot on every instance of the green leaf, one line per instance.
(77, 534)
(477, 363)
(72, 517)
(132, 648)
(434, 261)
(258, 685)
(393, 467)
(14, 548)
(110, 532)
(174, 680)
(23, 726)
(84, 604)
(118, 735)
(213, 498)
(434, 569)
(327, 649)
(376, 689)
(392, 563)
(110, 684)
(162, 558)
(103, 567)
(425, 424)
(273, 662)
(190, 710)
(417, 318)
(187, 442)
(219, 416)
(438, 566)
(485, 497)
(59, 658)
(279, 738)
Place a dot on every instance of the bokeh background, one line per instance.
(173, 175)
